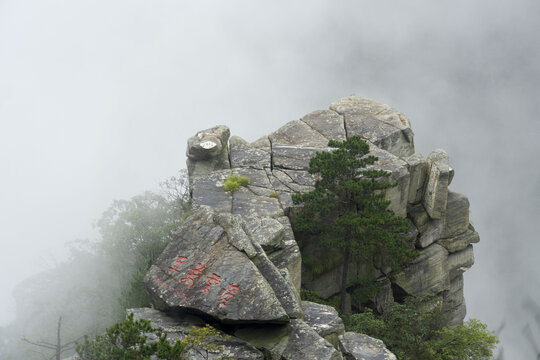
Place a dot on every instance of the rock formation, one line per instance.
(237, 264)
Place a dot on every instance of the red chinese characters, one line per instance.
(214, 280)
(191, 274)
(227, 294)
(181, 260)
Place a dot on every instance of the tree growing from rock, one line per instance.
(348, 212)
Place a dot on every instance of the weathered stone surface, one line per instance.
(208, 191)
(399, 194)
(262, 143)
(268, 232)
(293, 157)
(243, 155)
(430, 232)
(208, 143)
(456, 220)
(289, 258)
(177, 328)
(427, 274)
(324, 320)
(297, 133)
(201, 272)
(418, 169)
(208, 151)
(436, 193)
(460, 261)
(292, 180)
(277, 168)
(280, 282)
(295, 341)
(304, 343)
(248, 204)
(461, 241)
(356, 346)
(454, 301)
(378, 123)
(326, 122)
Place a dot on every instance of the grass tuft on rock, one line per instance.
(233, 182)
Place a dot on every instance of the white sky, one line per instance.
(98, 98)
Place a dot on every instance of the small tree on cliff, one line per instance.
(348, 211)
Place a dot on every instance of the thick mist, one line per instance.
(98, 98)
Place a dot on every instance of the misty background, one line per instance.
(98, 99)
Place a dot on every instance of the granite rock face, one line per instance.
(362, 347)
(236, 260)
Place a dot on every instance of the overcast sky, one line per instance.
(98, 98)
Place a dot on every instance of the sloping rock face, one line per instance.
(236, 260)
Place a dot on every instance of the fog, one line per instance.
(98, 98)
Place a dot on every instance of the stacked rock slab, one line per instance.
(236, 260)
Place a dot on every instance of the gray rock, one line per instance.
(427, 274)
(399, 194)
(280, 283)
(461, 241)
(297, 133)
(208, 191)
(430, 232)
(262, 143)
(201, 272)
(208, 143)
(436, 193)
(245, 156)
(177, 327)
(268, 232)
(378, 123)
(356, 346)
(290, 259)
(293, 180)
(208, 151)
(324, 320)
(303, 343)
(457, 214)
(418, 169)
(293, 157)
(454, 301)
(326, 122)
(295, 341)
(248, 204)
(460, 261)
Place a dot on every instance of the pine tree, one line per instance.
(348, 212)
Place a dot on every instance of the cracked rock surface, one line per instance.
(236, 260)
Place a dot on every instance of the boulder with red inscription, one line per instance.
(215, 268)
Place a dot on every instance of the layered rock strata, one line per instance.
(236, 260)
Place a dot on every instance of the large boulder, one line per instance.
(356, 346)
(377, 123)
(177, 327)
(208, 151)
(325, 320)
(202, 271)
(436, 191)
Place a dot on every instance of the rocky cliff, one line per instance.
(236, 261)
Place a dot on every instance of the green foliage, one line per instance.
(320, 266)
(274, 195)
(128, 340)
(233, 182)
(347, 210)
(414, 331)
